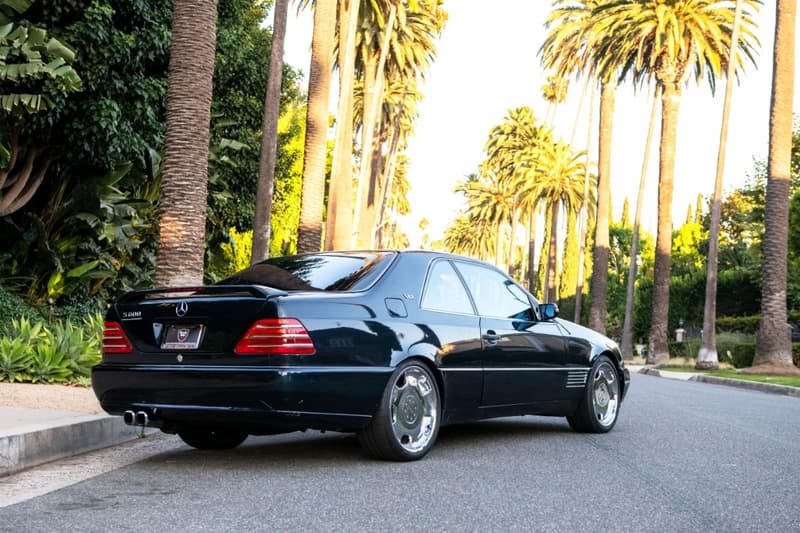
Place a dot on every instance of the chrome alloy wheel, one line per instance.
(605, 394)
(414, 408)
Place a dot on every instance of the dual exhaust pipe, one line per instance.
(136, 418)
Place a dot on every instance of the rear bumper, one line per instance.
(257, 399)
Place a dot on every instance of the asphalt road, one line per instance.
(684, 456)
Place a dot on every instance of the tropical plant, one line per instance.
(396, 42)
(772, 342)
(34, 71)
(568, 49)
(183, 198)
(559, 182)
(48, 364)
(15, 359)
(269, 136)
(319, 80)
(666, 41)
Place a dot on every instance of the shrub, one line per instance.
(14, 307)
(743, 354)
(15, 358)
(741, 324)
(48, 365)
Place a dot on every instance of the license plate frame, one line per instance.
(182, 337)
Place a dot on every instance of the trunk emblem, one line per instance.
(183, 333)
(182, 308)
(179, 358)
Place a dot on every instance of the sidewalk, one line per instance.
(771, 388)
(41, 423)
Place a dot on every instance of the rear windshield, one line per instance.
(322, 272)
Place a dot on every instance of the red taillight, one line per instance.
(276, 336)
(114, 339)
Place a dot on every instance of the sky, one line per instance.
(487, 64)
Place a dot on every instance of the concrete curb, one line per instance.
(80, 435)
(770, 388)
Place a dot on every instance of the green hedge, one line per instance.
(743, 354)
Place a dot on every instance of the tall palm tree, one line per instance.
(184, 181)
(511, 149)
(773, 350)
(626, 347)
(666, 41)
(319, 81)
(339, 224)
(599, 283)
(707, 358)
(269, 136)
(558, 181)
(490, 199)
(568, 49)
(405, 33)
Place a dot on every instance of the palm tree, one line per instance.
(319, 81)
(511, 148)
(184, 181)
(490, 200)
(773, 349)
(396, 40)
(599, 283)
(707, 356)
(269, 137)
(568, 49)
(626, 347)
(558, 181)
(339, 224)
(668, 41)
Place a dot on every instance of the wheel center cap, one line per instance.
(602, 395)
(409, 409)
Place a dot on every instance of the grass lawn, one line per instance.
(729, 373)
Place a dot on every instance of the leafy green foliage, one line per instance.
(51, 353)
(32, 67)
(48, 365)
(15, 358)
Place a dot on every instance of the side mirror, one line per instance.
(548, 311)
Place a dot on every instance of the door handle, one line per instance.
(491, 337)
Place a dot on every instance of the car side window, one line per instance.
(494, 294)
(445, 292)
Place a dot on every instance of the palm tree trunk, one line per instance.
(627, 326)
(184, 182)
(269, 137)
(532, 250)
(339, 224)
(552, 254)
(598, 303)
(372, 109)
(388, 179)
(319, 83)
(514, 229)
(773, 346)
(707, 358)
(584, 216)
(658, 351)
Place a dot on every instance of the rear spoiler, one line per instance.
(257, 291)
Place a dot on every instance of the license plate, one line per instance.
(183, 337)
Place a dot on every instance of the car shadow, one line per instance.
(313, 449)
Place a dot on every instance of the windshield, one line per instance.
(348, 272)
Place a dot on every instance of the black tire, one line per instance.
(212, 439)
(407, 421)
(599, 408)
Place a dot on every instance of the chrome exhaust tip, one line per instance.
(141, 418)
(129, 417)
